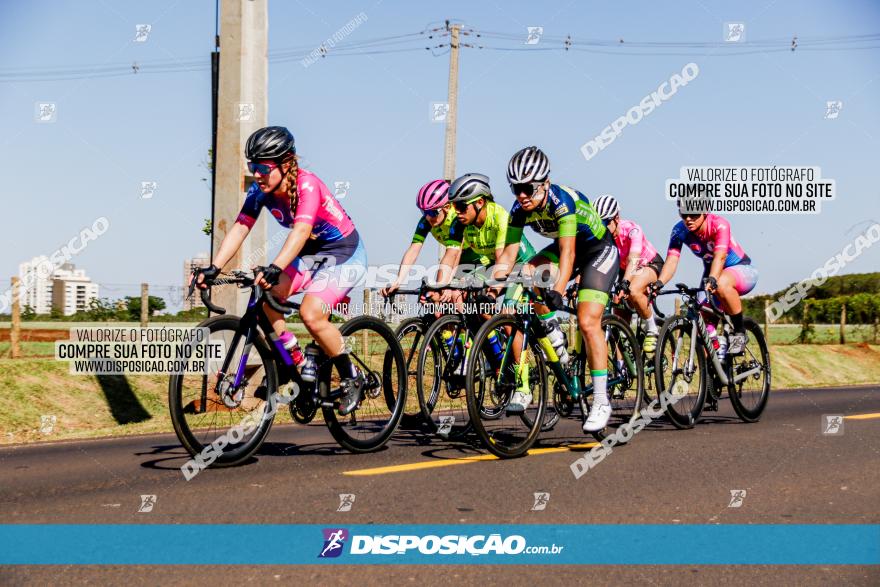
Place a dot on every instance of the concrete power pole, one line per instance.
(242, 108)
(451, 115)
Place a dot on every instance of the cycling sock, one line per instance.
(651, 324)
(344, 366)
(600, 385)
(737, 320)
(522, 377)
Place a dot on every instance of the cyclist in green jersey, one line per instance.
(582, 246)
(437, 219)
(479, 236)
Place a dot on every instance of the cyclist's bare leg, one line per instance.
(315, 315)
(727, 293)
(590, 323)
(638, 288)
(280, 292)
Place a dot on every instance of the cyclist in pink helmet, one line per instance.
(437, 219)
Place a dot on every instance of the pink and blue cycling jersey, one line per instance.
(333, 232)
(630, 239)
(713, 235)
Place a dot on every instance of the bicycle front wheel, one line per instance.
(219, 422)
(376, 353)
(749, 386)
(680, 372)
(504, 432)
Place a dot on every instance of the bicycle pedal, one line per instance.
(326, 404)
(711, 407)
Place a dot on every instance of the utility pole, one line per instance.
(452, 113)
(242, 105)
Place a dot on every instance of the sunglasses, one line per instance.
(690, 216)
(431, 213)
(525, 188)
(261, 168)
(461, 207)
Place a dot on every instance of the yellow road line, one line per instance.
(862, 417)
(459, 461)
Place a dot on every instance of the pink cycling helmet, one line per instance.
(433, 195)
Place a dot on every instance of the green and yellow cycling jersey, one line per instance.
(567, 212)
(479, 243)
(441, 232)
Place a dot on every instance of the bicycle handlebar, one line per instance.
(243, 280)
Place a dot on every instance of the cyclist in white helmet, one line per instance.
(640, 264)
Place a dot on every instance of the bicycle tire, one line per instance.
(429, 397)
(392, 364)
(188, 436)
(412, 417)
(681, 416)
(746, 413)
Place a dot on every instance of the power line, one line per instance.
(482, 40)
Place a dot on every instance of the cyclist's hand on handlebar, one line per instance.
(389, 290)
(554, 300)
(446, 296)
(622, 291)
(267, 277)
(656, 287)
(202, 277)
(710, 284)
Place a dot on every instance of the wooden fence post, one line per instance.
(15, 331)
(677, 306)
(766, 320)
(843, 323)
(365, 340)
(145, 304)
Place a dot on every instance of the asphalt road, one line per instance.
(790, 471)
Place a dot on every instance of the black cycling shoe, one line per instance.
(351, 394)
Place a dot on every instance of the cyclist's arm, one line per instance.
(669, 267)
(294, 243)
(231, 243)
(566, 262)
(448, 264)
(635, 238)
(718, 259)
(409, 257)
(721, 240)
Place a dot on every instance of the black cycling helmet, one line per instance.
(470, 186)
(271, 142)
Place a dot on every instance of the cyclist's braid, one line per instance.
(291, 184)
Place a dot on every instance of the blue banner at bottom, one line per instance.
(165, 544)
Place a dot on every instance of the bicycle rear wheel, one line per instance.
(749, 395)
(441, 377)
(219, 423)
(505, 434)
(680, 372)
(376, 353)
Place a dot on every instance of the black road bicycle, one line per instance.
(231, 408)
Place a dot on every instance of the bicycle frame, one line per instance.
(699, 330)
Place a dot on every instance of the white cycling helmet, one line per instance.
(606, 206)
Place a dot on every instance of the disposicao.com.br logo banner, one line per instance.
(529, 544)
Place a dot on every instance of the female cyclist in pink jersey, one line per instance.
(640, 264)
(728, 272)
(322, 248)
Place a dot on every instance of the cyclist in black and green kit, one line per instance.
(582, 246)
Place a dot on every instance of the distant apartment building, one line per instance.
(200, 260)
(72, 290)
(36, 284)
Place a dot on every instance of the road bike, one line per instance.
(529, 360)
(233, 404)
(685, 350)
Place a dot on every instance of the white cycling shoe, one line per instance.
(519, 402)
(600, 413)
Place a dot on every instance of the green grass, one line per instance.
(34, 387)
(781, 334)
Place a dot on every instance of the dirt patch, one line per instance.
(37, 334)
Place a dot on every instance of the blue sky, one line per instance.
(365, 119)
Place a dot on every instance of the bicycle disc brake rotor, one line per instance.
(230, 396)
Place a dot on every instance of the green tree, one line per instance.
(28, 313)
(133, 306)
